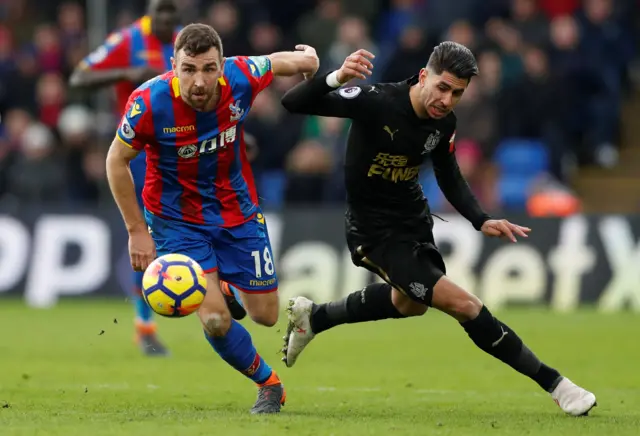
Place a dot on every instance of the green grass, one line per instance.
(59, 376)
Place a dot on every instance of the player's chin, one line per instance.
(198, 100)
(435, 112)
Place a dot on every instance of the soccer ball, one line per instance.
(174, 285)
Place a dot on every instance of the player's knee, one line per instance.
(266, 314)
(265, 318)
(455, 301)
(263, 309)
(215, 323)
(466, 308)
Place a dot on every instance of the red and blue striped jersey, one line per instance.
(133, 46)
(197, 167)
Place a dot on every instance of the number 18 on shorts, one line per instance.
(242, 254)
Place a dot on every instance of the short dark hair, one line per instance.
(162, 6)
(196, 39)
(453, 58)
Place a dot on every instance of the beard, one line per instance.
(202, 99)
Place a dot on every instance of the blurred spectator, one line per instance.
(552, 70)
(37, 175)
(72, 34)
(401, 14)
(76, 127)
(14, 125)
(48, 48)
(318, 27)
(276, 131)
(411, 55)
(225, 17)
(559, 8)
(308, 166)
(478, 118)
(331, 133)
(528, 106)
(266, 38)
(50, 98)
(462, 32)
(490, 77)
(589, 112)
(509, 42)
(353, 33)
(440, 14)
(22, 18)
(529, 21)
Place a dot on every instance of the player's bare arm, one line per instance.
(141, 246)
(290, 63)
(84, 77)
(316, 97)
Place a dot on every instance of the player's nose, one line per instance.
(198, 80)
(447, 99)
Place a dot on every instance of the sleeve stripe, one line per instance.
(122, 140)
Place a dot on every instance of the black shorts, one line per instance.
(408, 261)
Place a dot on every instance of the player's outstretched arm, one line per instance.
(109, 64)
(456, 189)
(454, 186)
(318, 95)
(141, 247)
(290, 63)
(85, 77)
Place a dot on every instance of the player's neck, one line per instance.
(416, 104)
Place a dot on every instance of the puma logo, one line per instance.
(496, 343)
(390, 132)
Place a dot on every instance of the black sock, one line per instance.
(501, 342)
(372, 303)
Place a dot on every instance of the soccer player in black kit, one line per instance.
(395, 128)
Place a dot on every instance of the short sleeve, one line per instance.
(258, 71)
(113, 53)
(136, 127)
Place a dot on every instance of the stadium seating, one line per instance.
(525, 157)
(520, 161)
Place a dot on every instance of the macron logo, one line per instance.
(179, 129)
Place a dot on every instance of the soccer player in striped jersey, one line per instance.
(128, 58)
(199, 194)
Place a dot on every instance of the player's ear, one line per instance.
(423, 76)
(173, 64)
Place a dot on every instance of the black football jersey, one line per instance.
(386, 147)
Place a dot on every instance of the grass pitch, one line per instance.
(73, 370)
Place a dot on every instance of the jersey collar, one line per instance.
(145, 25)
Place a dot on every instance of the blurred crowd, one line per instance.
(555, 70)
